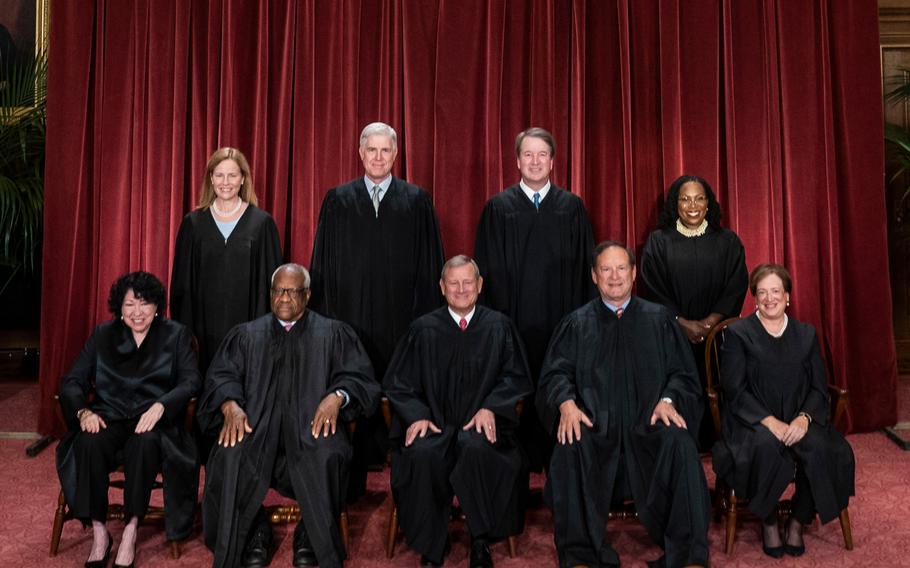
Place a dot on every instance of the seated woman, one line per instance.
(775, 418)
(124, 402)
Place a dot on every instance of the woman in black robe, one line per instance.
(125, 397)
(696, 268)
(225, 254)
(775, 418)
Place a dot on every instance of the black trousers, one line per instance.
(97, 455)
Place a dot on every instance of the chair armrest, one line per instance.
(840, 398)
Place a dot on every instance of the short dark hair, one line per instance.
(762, 270)
(535, 132)
(144, 285)
(610, 244)
(670, 213)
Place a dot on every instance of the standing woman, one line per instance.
(225, 254)
(696, 268)
(775, 418)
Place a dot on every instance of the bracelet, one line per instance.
(82, 412)
(806, 415)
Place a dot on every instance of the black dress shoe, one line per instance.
(794, 549)
(258, 550)
(130, 565)
(772, 551)
(304, 555)
(480, 554)
(107, 555)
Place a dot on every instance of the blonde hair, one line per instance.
(247, 193)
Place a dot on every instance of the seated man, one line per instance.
(279, 390)
(618, 388)
(453, 383)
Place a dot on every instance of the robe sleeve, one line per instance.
(182, 275)
(188, 383)
(816, 402)
(558, 376)
(353, 373)
(730, 301)
(655, 273)
(269, 258)
(77, 384)
(738, 399)
(489, 253)
(514, 381)
(402, 384)
(585, 290)
(683, 384)
(321, 267)
(429, 256)
(223, 381)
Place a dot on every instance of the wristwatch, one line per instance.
(668, 400)
(339, 393)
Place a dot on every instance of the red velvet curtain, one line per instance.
(776, 103)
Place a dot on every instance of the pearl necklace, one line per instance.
(783, 325)
(687, 232)
(229, 213)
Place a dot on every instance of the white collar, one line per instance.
(457, 317)
(530, 192)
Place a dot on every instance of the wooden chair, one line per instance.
(725, 498)
(63, 513)
(392, 530)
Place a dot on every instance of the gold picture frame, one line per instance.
(24, 32)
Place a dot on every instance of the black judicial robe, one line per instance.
(695, 277)
(376, 274)
(120, 381)
(764, 375)
(617, 370)
(443, 374)
(279, 378)
(536, 268)
(216, 284)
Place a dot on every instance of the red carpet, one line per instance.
(880, 515)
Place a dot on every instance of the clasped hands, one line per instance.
(571, 418)
(695, 330)
(788, 434)
(483, 422)
(93, 423)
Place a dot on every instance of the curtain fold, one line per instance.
(776, 103)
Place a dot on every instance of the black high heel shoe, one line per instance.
(772, 551)
(795, 549)
(107, 555)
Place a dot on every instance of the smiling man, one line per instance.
(533, 244)
(619, 391)
(453, 384)
(376, 258)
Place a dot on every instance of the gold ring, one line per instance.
(327, 420)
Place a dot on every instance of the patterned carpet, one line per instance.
(880, 515)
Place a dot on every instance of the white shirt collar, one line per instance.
(383, 186)
(457, 317)
(530, 192)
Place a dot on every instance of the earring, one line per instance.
(788, 303)
(156, 314)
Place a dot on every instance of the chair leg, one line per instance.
(175, 549)
(392, 533)
(59, 515)
(345, 531)
(513, 547)
(731, 523)
(846, 529)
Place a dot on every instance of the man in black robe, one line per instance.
(619, 388)
(376, 260)
(533, 243)
(279, 393)
(454, 383)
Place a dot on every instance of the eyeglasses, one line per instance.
(293, 293)
(697, 200)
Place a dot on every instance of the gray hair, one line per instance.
(380, 128)
(293, 267)
(459, 260)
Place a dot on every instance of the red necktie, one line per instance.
(463, 324)
(618, 313)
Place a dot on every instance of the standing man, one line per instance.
(376, 260)
(278, 395)
(618, 390)
(534, 244)
(454, 384)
